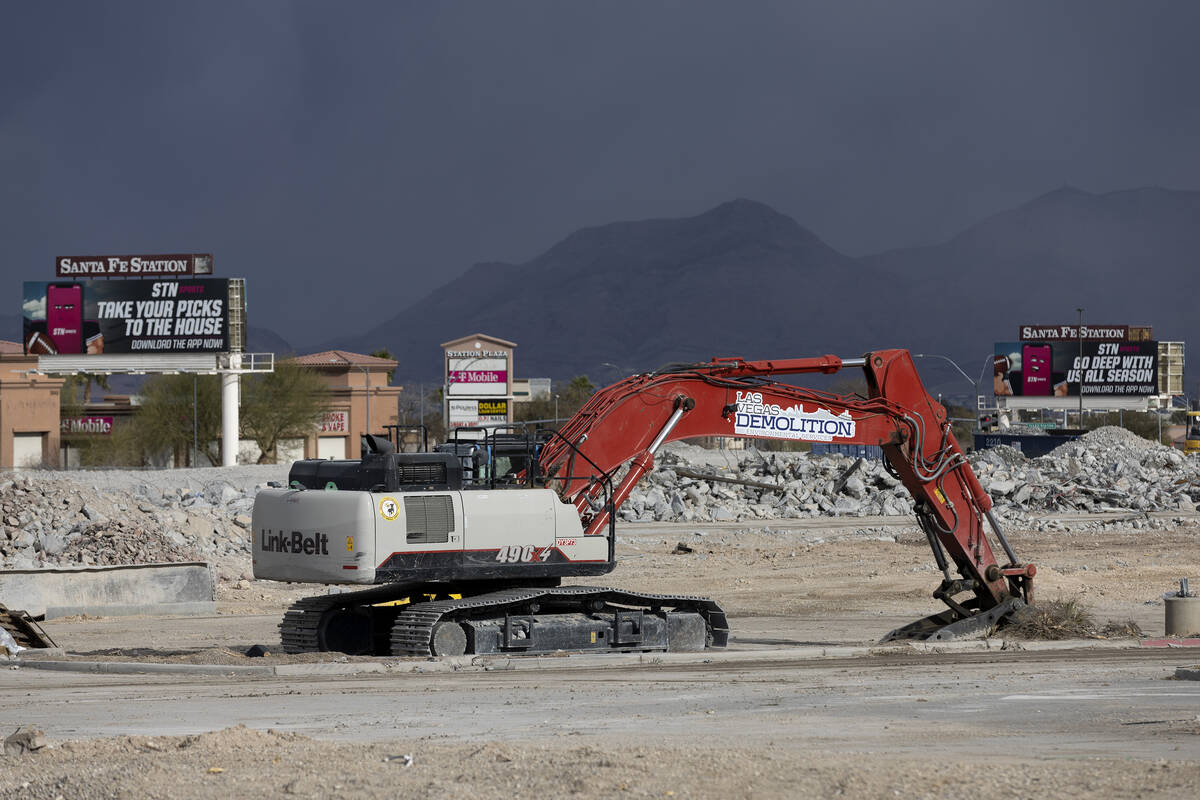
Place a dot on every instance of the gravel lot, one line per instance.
(781, 722)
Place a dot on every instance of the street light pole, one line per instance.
(949, 361)
(367, 385)
(974, 384)
(990, 360)
(1080, 331)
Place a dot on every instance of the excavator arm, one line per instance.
(627, 422)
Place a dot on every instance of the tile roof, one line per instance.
(343, 358)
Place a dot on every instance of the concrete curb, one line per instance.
(198, 608)
(143, 668)
(581, 661)
(331, 668)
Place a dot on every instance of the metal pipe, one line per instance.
(854, 362)
(642, 464)
(1008, 551)
(666, 431)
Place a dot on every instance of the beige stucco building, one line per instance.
(356, 383)
(29, 411)
(31, 423)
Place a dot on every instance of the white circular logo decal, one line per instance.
(389, 509)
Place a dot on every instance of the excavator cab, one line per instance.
(497, 458)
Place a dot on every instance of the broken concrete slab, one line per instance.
(184, 588)
(26, 739)
(18, 631)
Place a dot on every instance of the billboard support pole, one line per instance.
(195, 424)
(229, 412)
(1080, 332)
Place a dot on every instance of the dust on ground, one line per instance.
(245, 762)
(811, 577)
(838, 583)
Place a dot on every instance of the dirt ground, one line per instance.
(822, 571)
(808, 582)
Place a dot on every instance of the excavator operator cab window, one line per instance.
(503, 469)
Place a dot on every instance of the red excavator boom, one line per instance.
(628, 421)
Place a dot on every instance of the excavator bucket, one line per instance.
(949, 624)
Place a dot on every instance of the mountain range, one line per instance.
(743, 279)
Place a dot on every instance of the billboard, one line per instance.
(189, 315)
(1058, 369)
(172, 265)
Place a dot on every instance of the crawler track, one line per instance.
(300, 629)
(412, 632)
(410, 629)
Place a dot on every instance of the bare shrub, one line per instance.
(1065, 619)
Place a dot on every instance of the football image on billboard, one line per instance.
(136, 316)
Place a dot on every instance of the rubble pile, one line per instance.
(1109, 469)
(51, 520)
(756, 485)
(1105, 470)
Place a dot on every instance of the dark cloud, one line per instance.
(346, 158)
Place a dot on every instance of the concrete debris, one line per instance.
(8, 644)
(24, 740)
(1108, 469)
(124, 517)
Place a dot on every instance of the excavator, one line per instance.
(464, 550)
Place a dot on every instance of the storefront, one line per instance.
(360, 401)
(29, 415)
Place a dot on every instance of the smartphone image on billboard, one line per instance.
(1035, 369)
(64, 316)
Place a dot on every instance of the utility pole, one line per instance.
(367, 386)
(1080, 332)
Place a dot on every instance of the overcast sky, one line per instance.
(348, 157)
